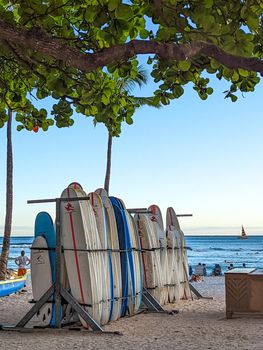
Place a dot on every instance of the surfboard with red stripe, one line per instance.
(80, 241)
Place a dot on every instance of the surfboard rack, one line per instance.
(146, 211)
(153, 305)
(196, 293)
(57, 291)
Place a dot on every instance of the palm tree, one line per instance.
(9, 200)
(128, 84)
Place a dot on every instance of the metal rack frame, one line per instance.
(59, 292)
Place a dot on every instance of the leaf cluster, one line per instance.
(90, 26)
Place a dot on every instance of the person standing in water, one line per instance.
(22, 262)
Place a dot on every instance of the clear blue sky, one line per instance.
(201, 157)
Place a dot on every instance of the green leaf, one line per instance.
(123, 11)
(19, 127)
(184, 65)
(113, 4)
(144, 34)
(253, 22)
(45, 125)
(208, 3)
(115, 108)
(214, 64)
(209, 91)
(105, 99)
(243, 72)
(235, 77)
(233, 98)
(129, 120)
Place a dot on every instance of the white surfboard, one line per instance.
(173, 265)
(156, 215)
(98, 209)
(80, 241)
(173, 223)
(156, 218)
(41, 278)
(150, 256)
(115, 254)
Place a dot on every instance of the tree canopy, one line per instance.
(77, 50)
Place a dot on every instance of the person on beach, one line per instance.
(22, 262)
(217, 270)
(230, 267)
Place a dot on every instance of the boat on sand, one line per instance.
(12, 284)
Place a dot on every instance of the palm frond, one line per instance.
(129, 84)
(147, 101)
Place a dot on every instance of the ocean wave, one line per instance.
(218, 249)
(18, 245)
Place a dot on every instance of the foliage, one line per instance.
(94, 26)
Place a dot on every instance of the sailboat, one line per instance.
(243, 234)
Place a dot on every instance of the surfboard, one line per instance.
(81, 244)
(115, 254)
(129, 263)
(173, 223)
(156, 218)
(41, 277)
(124, 244)
(134, 259)
(107, 273)
(173, 265)
(150, 255)
(44, 227)
(156, 215)
(137, 260)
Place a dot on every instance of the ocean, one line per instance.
(207, 250)
(17, 244)
(224, 250)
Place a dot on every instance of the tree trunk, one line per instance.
(9, 199)
(108, 167)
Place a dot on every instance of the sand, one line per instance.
(200, 324)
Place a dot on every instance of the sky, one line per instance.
(200, 157)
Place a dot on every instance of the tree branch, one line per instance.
(39, 41)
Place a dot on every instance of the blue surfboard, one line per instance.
(127, 263)
(44, 227)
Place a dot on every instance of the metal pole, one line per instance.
(80, 310)
(146, 211)
(34, 201)
(140, 210)
(58, 267)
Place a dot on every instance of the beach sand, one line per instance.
(200, 324)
